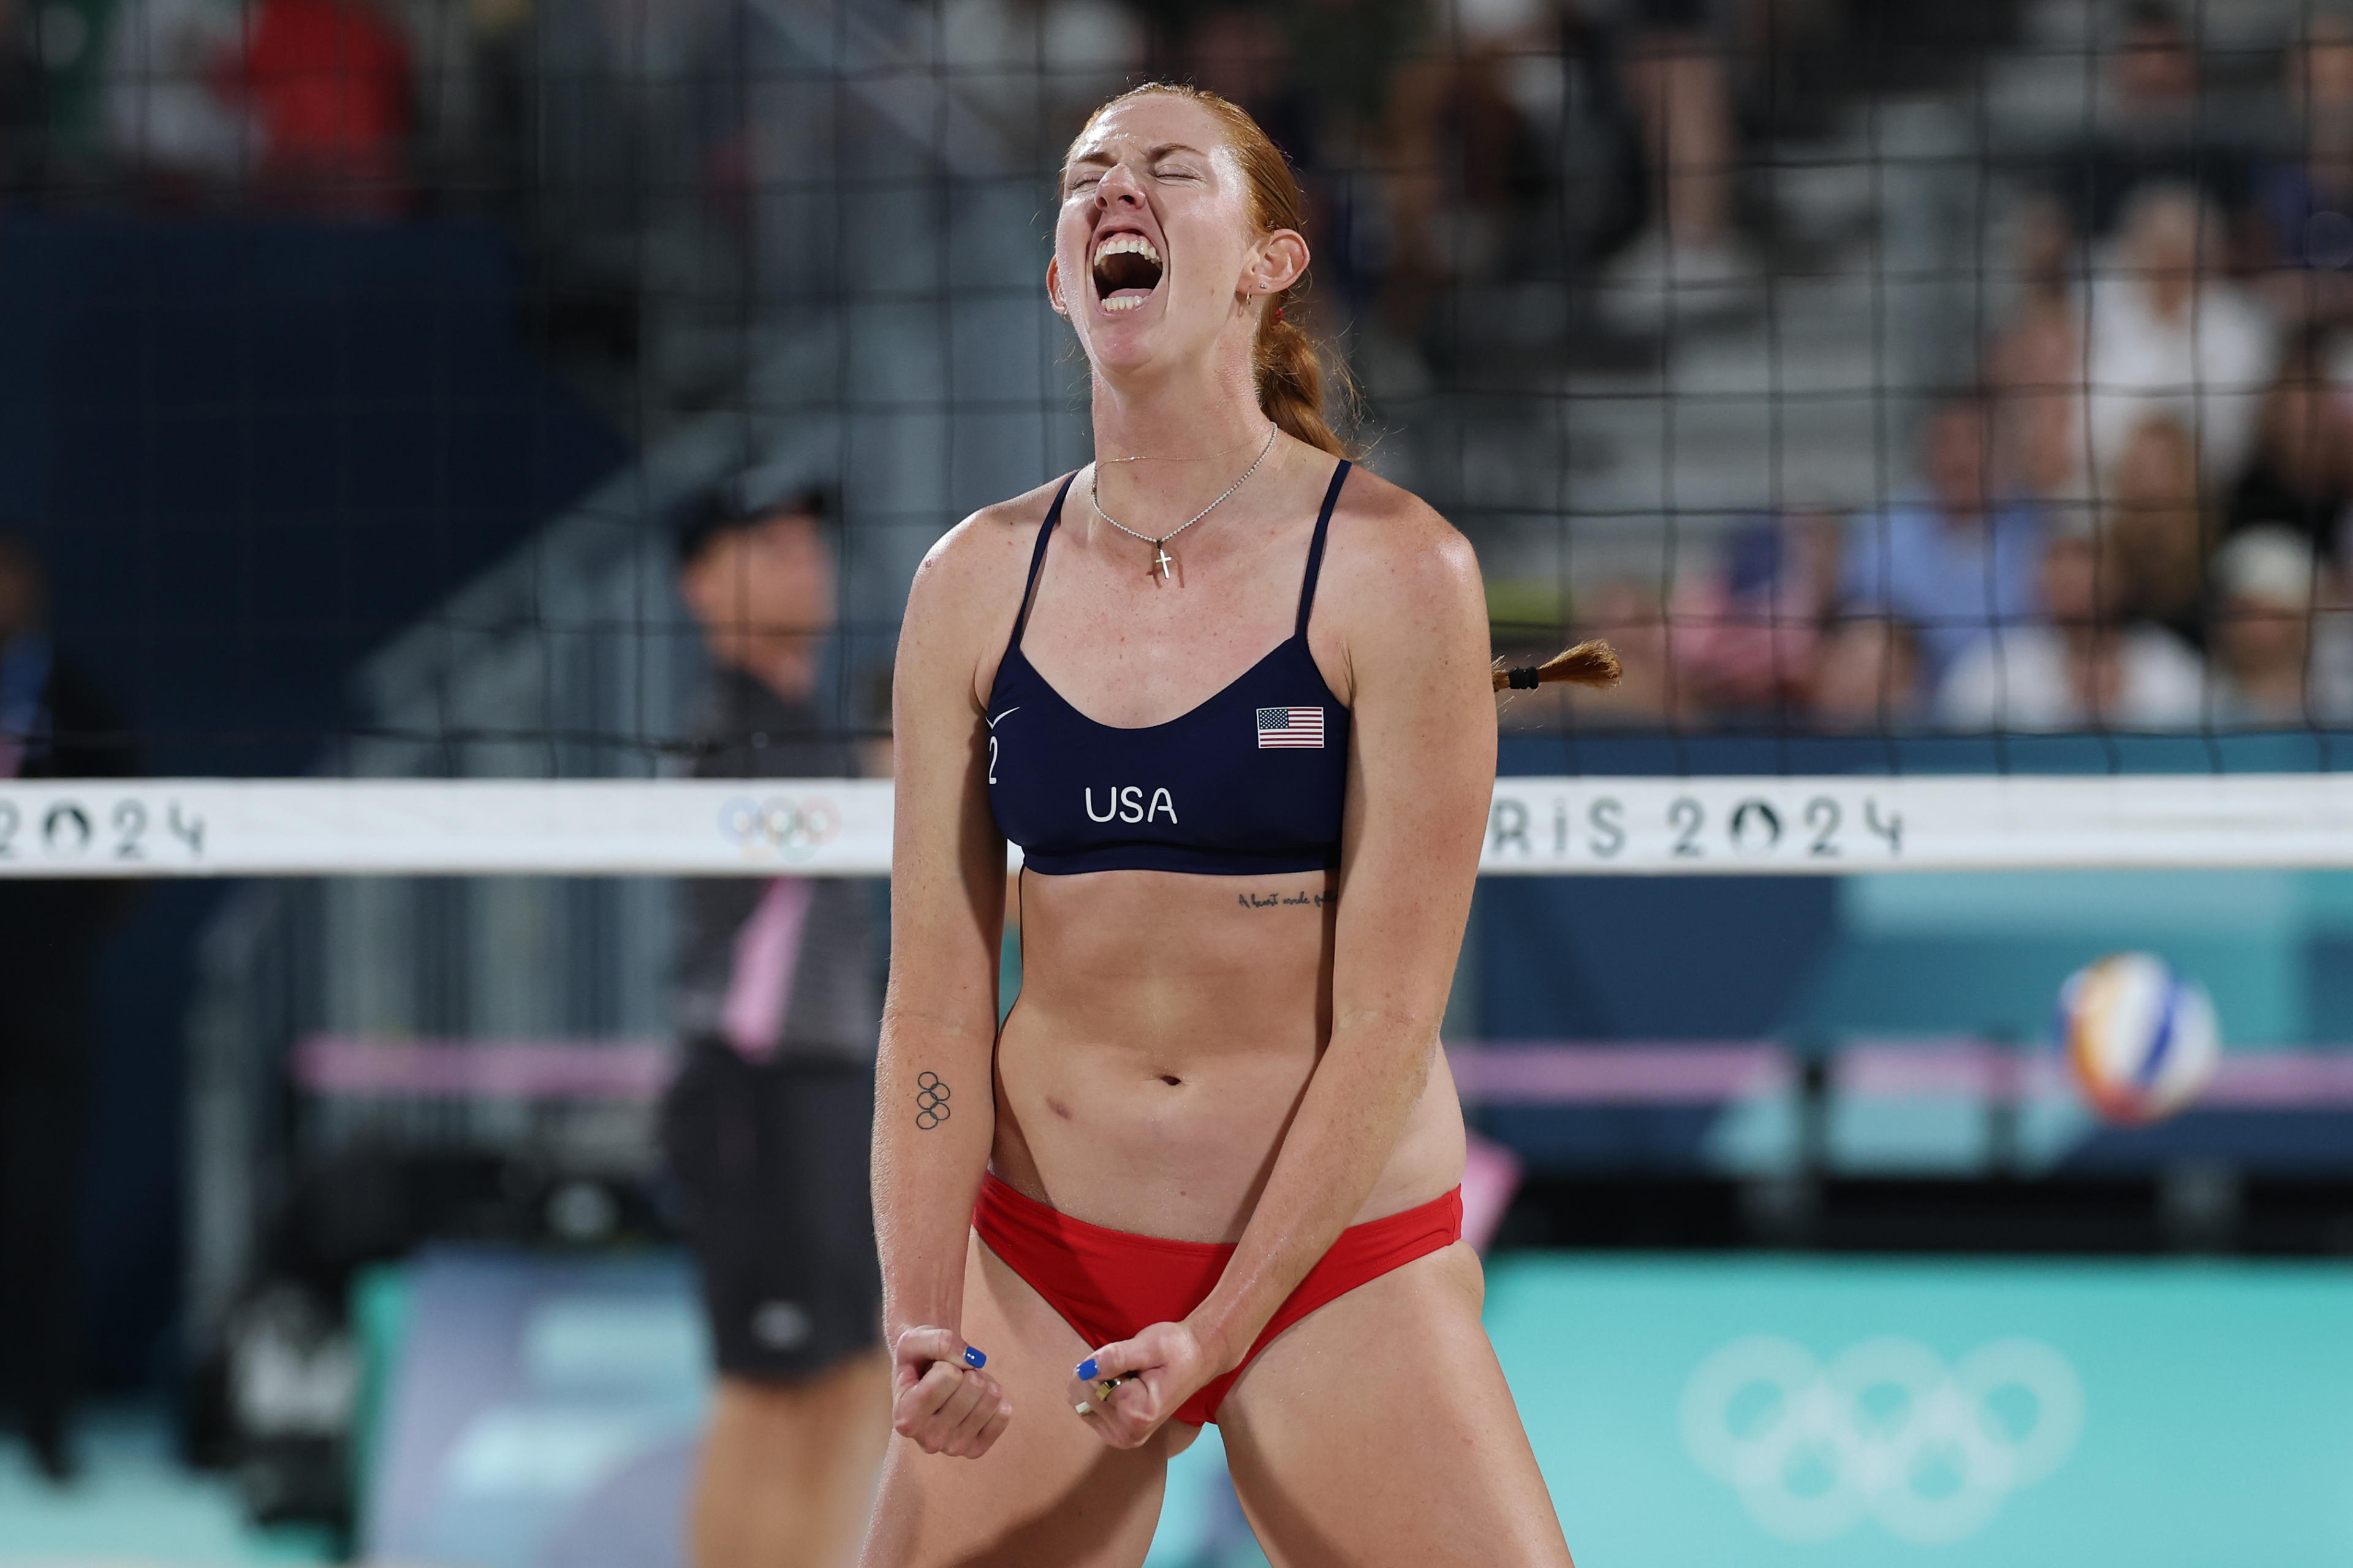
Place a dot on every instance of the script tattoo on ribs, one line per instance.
(1303, 899)
(930, 1102)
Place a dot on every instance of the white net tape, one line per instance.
(1643, 826)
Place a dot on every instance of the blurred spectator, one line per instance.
(2034, 370)
(468, 59)
(52, 724)
(326, 83)
(1749, 631)
(168, 120)
(308, 101)
(1870, 676)
(2267, 587)
(1687, 262)
(1462, 162)
(2166, 333)
(2151, 128)
(1522, 43)
(2045, 251)
(2155, 511)
(2303, 469)
(1951, 563)
(2083, 663)
(2305, 204)
(765, 1126)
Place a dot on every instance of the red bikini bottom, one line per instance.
(1108, 1285)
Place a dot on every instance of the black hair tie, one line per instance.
(1523, 679)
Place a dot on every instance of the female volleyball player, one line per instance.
(1231, 695)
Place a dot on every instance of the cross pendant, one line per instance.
(1161, 562)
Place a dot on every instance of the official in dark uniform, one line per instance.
(767, 1126)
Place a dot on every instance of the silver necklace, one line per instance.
(1161, 560)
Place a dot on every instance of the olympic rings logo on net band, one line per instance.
(1886, 1431)
(780, 825)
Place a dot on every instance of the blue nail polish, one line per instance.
(1087, 1369)
(974, 1358)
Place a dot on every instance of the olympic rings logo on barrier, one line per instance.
(780, 825)
(1886, 1431)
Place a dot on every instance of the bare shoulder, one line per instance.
(961, 605)
(976, 554)
(1390, 553)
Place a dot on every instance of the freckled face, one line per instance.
(1154, 239)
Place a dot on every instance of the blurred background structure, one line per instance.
(1905, 386)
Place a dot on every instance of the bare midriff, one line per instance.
(1166, 1028)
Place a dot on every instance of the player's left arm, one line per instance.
(1421, 774)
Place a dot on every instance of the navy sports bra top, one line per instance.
(1251, 781)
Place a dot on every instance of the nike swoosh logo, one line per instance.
(1006, 714)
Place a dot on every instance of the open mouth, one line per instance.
(1127, 268)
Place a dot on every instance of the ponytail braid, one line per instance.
(1590, 663)
(1290, 374)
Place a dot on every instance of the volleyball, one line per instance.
(2141, 1039)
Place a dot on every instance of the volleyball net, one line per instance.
(1767, 825)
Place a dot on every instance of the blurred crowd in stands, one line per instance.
(2135, 515)
(2132, 515)
(2156, 600)
(311, 106)
(1433, 135)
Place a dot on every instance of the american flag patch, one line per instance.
(1282, 727)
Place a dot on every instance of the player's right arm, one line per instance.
(934, 1106)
